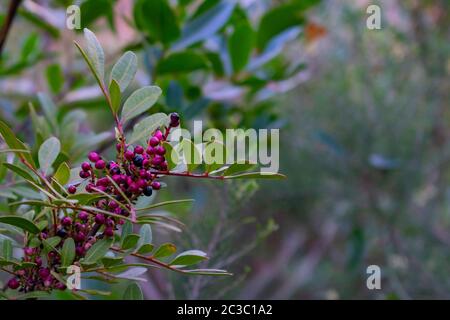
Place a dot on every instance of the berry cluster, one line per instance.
(121, 182)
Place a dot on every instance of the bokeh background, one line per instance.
(364, 122)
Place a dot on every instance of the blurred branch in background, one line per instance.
(7, 22)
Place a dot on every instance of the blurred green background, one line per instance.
(364, 123)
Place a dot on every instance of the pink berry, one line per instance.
(66, 221)
(86, 166)
(129, 155)
(93, 156)
(154, 141)
(100, 164)
(72, 189)
(156, 185)
(138, 150)
(13, 283)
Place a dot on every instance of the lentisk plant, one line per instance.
(93, 220)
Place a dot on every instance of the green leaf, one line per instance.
(116, 97)
(14, 143)
(205, 25)
(98, 251)
(140, 101)
(49, 108)
(18, 170)
(20, 222)
(238, 167)
(276, 21)
(157, 19)
(208, 272)
(68, 252)
(240, 46)
(55, 77)
(48, 152)
(214, 155)
(124, 70)
(51, 243)
(189, 257)
(182, 62)
(165, 203)
(95, 53)
(130, 241)
(133, 292)
(145, 248)
(144, 128)
(145, 235)
(172, 156)
(7, 249)
(62, 174)
(165, 250)
(191, 154)
(257, 175)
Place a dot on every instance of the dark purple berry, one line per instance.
(138, 160)
(61, 233)
(79, 237)
(44, 273)
(148, 191)
(60, 286)
(115, 170)
(174, 119)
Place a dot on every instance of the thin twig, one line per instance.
(13, 6)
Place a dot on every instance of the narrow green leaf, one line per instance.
(145, 249)
(191, 154)
(165, 203)
(124, 70)
(51, 243)
(48, 152)
(208, 272)
(165, 250)
(130, 241)
(238, 167)
(240, 46)
(14, 143)
(133, 292)
(98, 251)
(20, 222)
(18, 170)
(7, 249)
(114, 92)
(257, 175)
(172, 156)
(144, 128)
(145, 235)
(55, 77)
(95, 53)
(49, 108)
(205, 25)
(140, 101)
(68, 252)
(182, 62)
(62, 174)
(189, 257)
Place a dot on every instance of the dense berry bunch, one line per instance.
(121, 183)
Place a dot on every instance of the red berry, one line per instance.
(100, 164)
(138, 150)
(93, 156)
(160, 150)
(109, 232)
(72, 189)
(29, 251)
(100, 219)
(156, 185)
(83, 215)
(13, 283)
(129, 155)
(66, 221)
(85, 166)
(154, 141)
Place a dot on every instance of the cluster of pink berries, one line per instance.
(132, 174)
